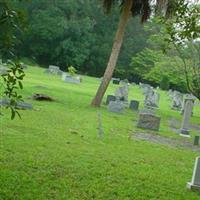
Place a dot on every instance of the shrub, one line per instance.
(164, 83)
(72, 71)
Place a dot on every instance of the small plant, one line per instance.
(72, 71)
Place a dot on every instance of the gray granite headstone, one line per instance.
(195, 183)
(152, 99)
(148, 121)
(71, 79)
(186, 117)
(53, 70)
(20, 104)
(187, 96)
(148, 111)
(110, 98)
(177, 100)
(116, 106)
(122, 93)
(134, 105)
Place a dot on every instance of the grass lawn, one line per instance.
(54, 151)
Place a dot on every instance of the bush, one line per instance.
(164, 83)
(72, 71)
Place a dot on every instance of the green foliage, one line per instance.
(11, 22)
(55, 153)
(164, 83)
(72, 71)
(183, 30)
(143, 62)
(77, 33)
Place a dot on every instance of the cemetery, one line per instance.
(74, 130)
(100, 100)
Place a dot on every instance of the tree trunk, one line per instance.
(126, 12)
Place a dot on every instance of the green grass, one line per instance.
(54, 151)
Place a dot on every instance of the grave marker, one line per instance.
(195, 183)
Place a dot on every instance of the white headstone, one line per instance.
(195, 183)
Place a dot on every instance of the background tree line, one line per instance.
(78, 33)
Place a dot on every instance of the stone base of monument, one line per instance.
(195, 183)
(148, 121)
(116, 106)
(190, 186)
(184, 133)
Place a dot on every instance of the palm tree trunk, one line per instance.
(126, 12)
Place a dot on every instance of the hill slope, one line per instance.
(54, 151)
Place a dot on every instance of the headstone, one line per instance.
(20, 104)
(116, 81)
(177, 100)
(134, 105)
(53, 70)
(122, 93)
(196, 140)
(148, 111)
(187, 96)
(116, 106)
(124, 82)
(152, 99)
(145, 88)
(110, 98)
(71, 79)
(148, 121)
(100, 128)
(195, 183)
(186, 117)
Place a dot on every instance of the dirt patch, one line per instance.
(165, 141)
(41, 97)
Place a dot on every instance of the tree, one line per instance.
(128, 7)
(183, 34)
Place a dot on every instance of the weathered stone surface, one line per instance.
(151, 98)
(134, 105)
(122, 93)
(71, 79)
(187, 96)
(195, 183)
(145, 88)
(116, 106)
(148, 121)
(177, 100)
(186, 117)
(147, 111)
(53, 70)
(110, 98)
(20, 104)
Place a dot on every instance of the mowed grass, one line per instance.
(54, 151)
